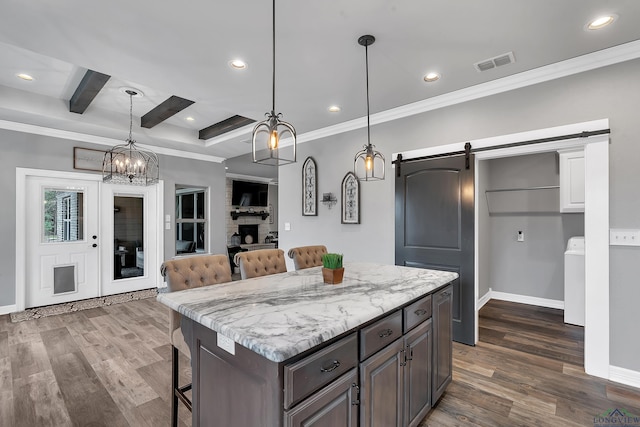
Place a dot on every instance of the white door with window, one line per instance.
(62, 241)
(130, 219)
(83, 238)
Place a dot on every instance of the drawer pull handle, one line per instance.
(385, 333)
(334, 365)
(420, 312)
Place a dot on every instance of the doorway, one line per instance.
(66, 230)
(596, 224)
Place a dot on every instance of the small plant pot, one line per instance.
(332, 276)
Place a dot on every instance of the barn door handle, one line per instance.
(334, 365)
(420, 312)
(385, 333)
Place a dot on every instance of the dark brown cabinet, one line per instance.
(442, 342)
(384, 373)
(382, 387)
(417, 374)
(334, 405)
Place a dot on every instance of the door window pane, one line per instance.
(128, 232)
(63, 213)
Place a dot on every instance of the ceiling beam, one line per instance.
(227, 125)
(162, 112)
(91, 84)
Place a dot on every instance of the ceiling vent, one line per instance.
(497, 61)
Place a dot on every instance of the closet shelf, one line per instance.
(543, 199)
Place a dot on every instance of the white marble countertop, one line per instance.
(282, 315)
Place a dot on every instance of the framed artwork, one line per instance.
(350, 199)
(87, 159)
(309, 188)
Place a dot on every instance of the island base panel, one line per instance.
(241, 390)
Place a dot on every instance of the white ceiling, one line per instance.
(169, 48)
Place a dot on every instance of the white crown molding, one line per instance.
(624, 376)
(100, 140)
(580, 64)
(524, 299)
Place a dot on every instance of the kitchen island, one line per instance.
(285, 349)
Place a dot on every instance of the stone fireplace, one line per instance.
(248, 233)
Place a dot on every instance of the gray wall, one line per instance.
(43, 152)
(534, 267)
(612, 92)
(483, 228)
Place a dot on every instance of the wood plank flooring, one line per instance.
(527, 370)
(111, 366)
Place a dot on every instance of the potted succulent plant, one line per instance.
(332, 270)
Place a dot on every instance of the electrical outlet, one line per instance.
(624, 237)
(520, 236)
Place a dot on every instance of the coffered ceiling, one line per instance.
(182, 49)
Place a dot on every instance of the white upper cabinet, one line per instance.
(571, 181)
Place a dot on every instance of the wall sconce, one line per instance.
(328, 199)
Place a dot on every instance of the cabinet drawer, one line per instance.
(318, 369)
(379, 334)
(417, 313)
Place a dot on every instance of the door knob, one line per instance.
(95, 245)
(94, 237)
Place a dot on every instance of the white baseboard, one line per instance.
(624, 376)
(524, 299)
(6, 309)
(483, 300)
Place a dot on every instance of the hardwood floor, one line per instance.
(111, 366)
(527, 370)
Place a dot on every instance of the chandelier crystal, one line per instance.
(126, 163)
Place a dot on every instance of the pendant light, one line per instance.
(126, 163)
(268, 135)
(368, 164)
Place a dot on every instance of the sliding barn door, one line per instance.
(435, 229)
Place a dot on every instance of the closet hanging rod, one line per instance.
(547, 187)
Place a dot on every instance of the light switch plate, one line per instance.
(624, 237)
(287, 226)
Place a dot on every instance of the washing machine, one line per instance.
(574, 281)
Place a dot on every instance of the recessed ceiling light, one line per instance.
(238, 64)
(189, 119)
(24, 76)
(334, 109)
(601, 22)
(431, 77)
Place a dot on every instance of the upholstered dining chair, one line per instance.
(261, 262)
(307, 256)
(180, 274)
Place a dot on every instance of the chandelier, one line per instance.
(368, 164)
(268, 134)
(126, 163)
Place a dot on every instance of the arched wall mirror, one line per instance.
(191, 219)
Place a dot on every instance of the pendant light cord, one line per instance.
(273, 86)
(366, 55)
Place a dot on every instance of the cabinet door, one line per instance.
(442, 344)
(572, 181)
(333, 406)
(381, 382)
(417, 374)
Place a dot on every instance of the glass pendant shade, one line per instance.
(368, 164)
(273, 140)
(126, 163)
